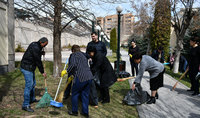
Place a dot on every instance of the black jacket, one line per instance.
(100, 47)
(194, 60)
(102, 65)
(155, 55)
(132, 51)
(32, 58)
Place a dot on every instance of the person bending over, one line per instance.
(156, 71)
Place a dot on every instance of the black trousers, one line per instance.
(93, 94)
(194, 82)
(105, 96)
(134, 67)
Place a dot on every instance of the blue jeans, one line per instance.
(29, 91)
(83, 89)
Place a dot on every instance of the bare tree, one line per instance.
(59, 12)
(144, 15)
(180, 22)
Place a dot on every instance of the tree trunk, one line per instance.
(176, 61)
(57, 39)
(178, 52)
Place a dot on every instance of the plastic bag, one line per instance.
(97, 77)
(124, 74)
(136, 97)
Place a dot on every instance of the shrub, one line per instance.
(19, 48)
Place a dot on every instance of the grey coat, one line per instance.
(151, 65)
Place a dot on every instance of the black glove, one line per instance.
(42, 52)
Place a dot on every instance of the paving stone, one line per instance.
(171, 104)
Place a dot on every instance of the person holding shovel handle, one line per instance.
(194, 62)
(30, 60)
(156, 71)
(79, 68)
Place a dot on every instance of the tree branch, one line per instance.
(69, 23)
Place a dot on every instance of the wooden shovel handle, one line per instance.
(180, 79)
(123, 79)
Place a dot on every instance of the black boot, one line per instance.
(156, 95)
(151, 100)
(27, 108)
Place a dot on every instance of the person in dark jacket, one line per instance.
(182, 64)
(107, 75)
(194, 63)
(32, 59)
(79, 68)
(158, 54)
(101, 48)
(99, 45)
(132, 50)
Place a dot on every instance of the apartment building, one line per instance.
(109, 22)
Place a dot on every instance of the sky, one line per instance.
(110, 9)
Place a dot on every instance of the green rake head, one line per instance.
(45, 100)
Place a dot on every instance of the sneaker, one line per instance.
(34, 101)
(194, 94)
(85, 115)
(73, 113)
(190, 90)
(28, 108)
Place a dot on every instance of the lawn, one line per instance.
(11, 98)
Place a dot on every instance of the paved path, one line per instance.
(171, 104)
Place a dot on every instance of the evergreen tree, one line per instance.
(160, 29)
(113, 40)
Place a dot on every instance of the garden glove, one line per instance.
(131, 55)
(63, 73)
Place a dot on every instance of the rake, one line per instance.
(46, 98)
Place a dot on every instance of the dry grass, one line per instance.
(11, 98)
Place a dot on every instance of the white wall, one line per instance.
(26, 32)
(3, 35)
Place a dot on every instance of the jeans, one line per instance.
(80, 89)
(29, 91)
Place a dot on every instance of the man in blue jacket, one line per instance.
(32, 59)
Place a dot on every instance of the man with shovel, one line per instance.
(32, 59)
(79, 68)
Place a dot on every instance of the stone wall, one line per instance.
(7, 45)
(27, 32)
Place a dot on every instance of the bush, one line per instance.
(82, 46)
(19, 48)
(113, 40)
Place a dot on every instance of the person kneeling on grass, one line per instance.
(79, 68)
(156, 71)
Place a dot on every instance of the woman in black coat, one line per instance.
(105, 71)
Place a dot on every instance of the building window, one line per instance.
(108, 28)
(109, 19)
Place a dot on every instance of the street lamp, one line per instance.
(119, 10)
(98, 28)
(92, 26)
(101, 36)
